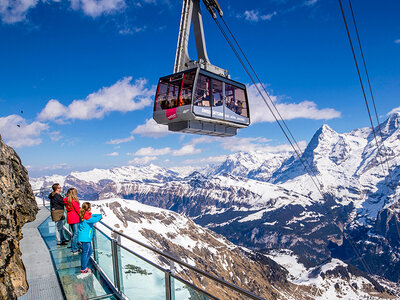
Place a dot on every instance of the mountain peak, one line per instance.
(391, 125)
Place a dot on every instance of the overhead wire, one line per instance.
(298, 153)
(370, 89)
(363, 89)
(318, 186)
(374, 105)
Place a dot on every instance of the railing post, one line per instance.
(94, 244)
(168, 286)
(44, 204)
(169, 283)
(116, 259)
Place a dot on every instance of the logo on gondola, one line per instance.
(171, 113)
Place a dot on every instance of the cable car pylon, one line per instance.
(199, 97)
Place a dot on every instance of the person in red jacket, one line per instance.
(73, 209)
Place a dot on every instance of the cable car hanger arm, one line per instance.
(191, 13)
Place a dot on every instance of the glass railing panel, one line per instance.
(182, 291)
(140, 279)
(103, 253)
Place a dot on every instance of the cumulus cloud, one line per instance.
(120, 141)
(254, 15)
(17, 132)
(13, 11)
(186, 150)
(305, 109)
(112, 154)
(123, 96)
(139, 161)
(394, 110)
(95, 8)
(150, 151)
(151, 129)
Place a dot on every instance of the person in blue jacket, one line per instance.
(85, 234)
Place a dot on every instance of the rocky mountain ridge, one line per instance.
(17, 206)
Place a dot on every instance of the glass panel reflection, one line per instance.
(183, 291)
(103, 253)
(141, 280)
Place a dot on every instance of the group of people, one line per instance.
(80, 219)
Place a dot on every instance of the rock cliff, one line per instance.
(17, 206)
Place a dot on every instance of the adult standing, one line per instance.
(73, 208)
(57, 213)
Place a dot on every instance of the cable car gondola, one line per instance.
(199, 97)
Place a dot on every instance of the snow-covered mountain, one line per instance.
(276, 275)
(267, 200)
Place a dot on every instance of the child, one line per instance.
(86, 234)
(72, 205)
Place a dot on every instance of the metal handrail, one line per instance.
(174, 259)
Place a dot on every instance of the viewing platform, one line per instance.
(119, 272)
(52, 271)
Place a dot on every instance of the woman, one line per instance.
(86, 234)
(57, 213)
(73, 208)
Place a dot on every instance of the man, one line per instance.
(57, 213)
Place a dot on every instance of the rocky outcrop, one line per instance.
(17, 206)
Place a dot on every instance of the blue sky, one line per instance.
(78, 76)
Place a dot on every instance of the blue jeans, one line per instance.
(87, 250)
(75, 230)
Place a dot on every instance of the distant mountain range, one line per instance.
(266, 201)
(276, 275)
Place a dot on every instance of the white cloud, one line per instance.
(13, 11)
(187, 149)
(120, 141)
(259, 112)
(17, 132)
(95, 8)
(53, 110)
(151, 129)
(268, 17)
(150, 151)
(394, 110)
(310, 2)
(142, 160)
(113, 154)
(121, 96)
(254, 15)
(397, 41)
(235, 144)
(205, 161)
(55, 136)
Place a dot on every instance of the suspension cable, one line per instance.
(349, 239)
(363, 90)
(370, 89)
(318, 185)
(268, 95)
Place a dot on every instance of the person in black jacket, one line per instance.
(57, 213)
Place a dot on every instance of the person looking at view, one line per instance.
(57, 213)
(85, 235)
(72, 205)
